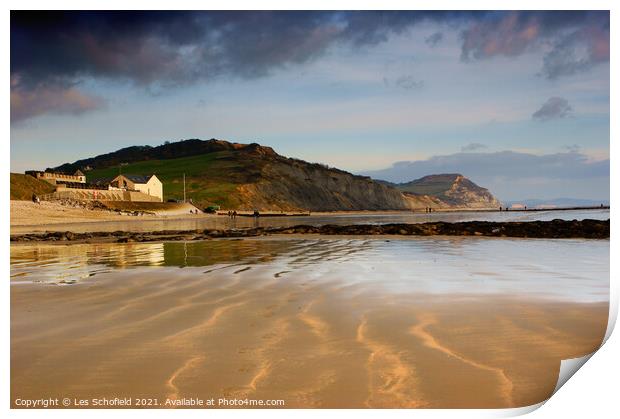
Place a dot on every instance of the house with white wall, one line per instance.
(149, 185)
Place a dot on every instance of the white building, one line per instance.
(149, 185)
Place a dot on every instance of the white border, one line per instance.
(591, 393)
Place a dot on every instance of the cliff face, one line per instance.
(450, 191)
(298, 185)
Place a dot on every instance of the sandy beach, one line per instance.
(316, 324)
(49, 213)
(312, 346)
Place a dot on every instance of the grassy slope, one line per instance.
(209, 178)
(23, 186)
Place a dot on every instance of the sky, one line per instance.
(516, 101)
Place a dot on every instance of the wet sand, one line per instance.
(262, 330)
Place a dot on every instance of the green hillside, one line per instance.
(23, 186)
(210, 179)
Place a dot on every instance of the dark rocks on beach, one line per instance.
(555, 229)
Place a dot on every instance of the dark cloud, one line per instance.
(55, 50)
(513, 175)
(577, 52)
(575, 40)
(434, 39)
(176, 47)
(150, 45)
(373, 27)
(553, 108)
(473, 147)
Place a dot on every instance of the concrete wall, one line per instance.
(101, 195)
(141, 197)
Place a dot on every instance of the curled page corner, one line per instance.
(568, 367)
(518, 411)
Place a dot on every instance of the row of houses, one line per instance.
(57, 178)
(124, 186)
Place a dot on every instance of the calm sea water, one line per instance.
(567, 270)
(138, 224)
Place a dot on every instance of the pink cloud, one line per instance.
(508, 36)
(29, 103)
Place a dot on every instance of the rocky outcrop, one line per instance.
(451, 190)
(555, 229)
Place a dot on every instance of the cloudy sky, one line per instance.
(517, 101)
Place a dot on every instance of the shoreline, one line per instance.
(23, 213)
(460, 209)
(555, 229)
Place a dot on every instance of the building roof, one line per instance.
(78, 172)
(138, 178)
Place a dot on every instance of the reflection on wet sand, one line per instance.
(292, 320)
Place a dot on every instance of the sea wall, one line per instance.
(100, 195)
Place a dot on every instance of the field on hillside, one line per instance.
(210, 179)
(23, 186)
